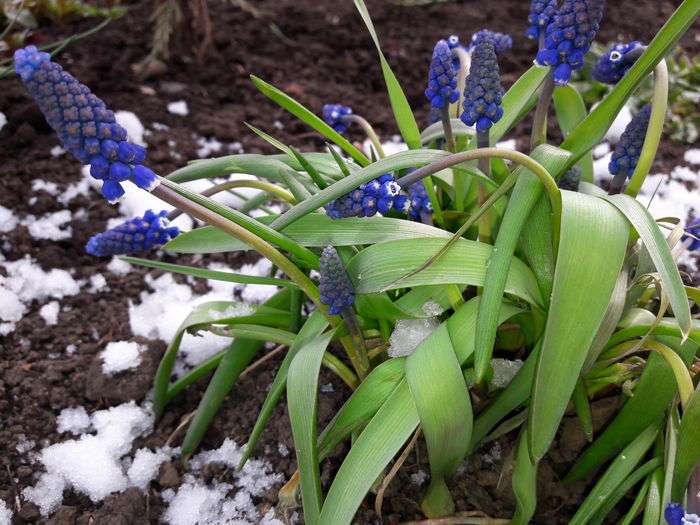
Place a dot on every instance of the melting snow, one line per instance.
(207, 147)
(144, 467)
(49, 187)
(504, 371)
(3, 120)
(74, 420)
(619, 124)
(131, 123)
(118, 267)
(97, 283)
(8, 221)
(408, 334)
(49, 312)
(692, 156)
(121, 355)
(81, 187)
(51, 226)
(5, 512)
(57, 151)
(178, 108)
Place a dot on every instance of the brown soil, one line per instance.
(324, 55)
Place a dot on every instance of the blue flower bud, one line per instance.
(501, 41)
(615, 62)
(377, 195)
(136, 235)
(83, 123)
(419, 201)
(333, 116)
(624, 158)
(335, 287)
(541, 13)
(483, 91)
(442, 79)
(569, 36)
(571, 179)
(675, 515)
(693, 229)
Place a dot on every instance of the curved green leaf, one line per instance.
(571, 110)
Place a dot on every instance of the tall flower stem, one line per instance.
(482, 141)
(539, 121)
(447, 128)
(369, 131)
(659, 105)
(359, 357)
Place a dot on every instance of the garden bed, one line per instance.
(50, 358)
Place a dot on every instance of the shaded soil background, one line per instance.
(323, 54)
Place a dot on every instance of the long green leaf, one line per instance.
(592, 248)
(571, 110)
(302, 386)
(399, 104)
(302, 113)
(524, 483)
(652, 510)
(688, 452)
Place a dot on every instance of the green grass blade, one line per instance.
(313, 327)
(524, 483)
(616, 473)
(442, 400)
(688, 451)
(660, 253)
(592, 248)
(536, 244)
(583, 410)
(378, 267)
(302, 387)
(309, 168)
(652, 510)
(571, 110)
(305, 115)
(215, 275)
(399, 104)
(270, 139)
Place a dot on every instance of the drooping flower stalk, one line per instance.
(442, 87)
(627, 150)
(87, 129)
(137, 235)
(616, 61)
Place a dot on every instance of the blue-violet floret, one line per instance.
(335, 287)
(693, 229)
(334, 115)
(675, 515)
(616, 61)
(136, 235)
(483, 91)
(85, 126)
(442, 79)
(626, 155)
(541, 13)
(569, 36)
(501, 41)
(419, 202)
(378, 195)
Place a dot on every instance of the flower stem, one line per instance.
(447, 128)
(357, 350)
(340, 369)
(465, 62)
(369, 131)
(659, 104)
(539, 121)
(482, 141)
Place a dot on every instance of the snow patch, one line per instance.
(408, 334)
(49, 187)
(81, 187)
(8, 221)
(144, 467)
(74, 420)
(97, 283)
(5, 512)
(601, 150)
(121, 355)
(49, 312)
(57, 151)
(618, 126)
(692, 156)
(3, 120)
(51, 226)
(131, 123)
(207, 147)
(118, 267)
(178, 108)
(504, 371)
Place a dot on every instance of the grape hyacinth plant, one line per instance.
(497, 255)
(616, 61)
(502, 43)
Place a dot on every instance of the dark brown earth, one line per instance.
(323, 54)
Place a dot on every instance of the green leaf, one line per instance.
(435, 131)
(402, 111)
(313, 327)
(215, 275)
(270, 139)
(592, 248)
(652, 510)
(302, 386)
(441, 397)
(660, 253)
(616, 473)
(524, 483)
(305, 115)
(309, 168)
(688, 452)
(378, 267)
(571, 110)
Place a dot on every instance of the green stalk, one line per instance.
(482, 141)
(659, 105)
(355, 343)
(369, 131)
(447, 128)
(539, 121)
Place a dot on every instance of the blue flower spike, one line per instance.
(335, 287)
(569, 36)
(541, 13)
(442, 78)
(675, 515)
(626, 155)
(571, 179)
(693, 228)
(379, 195)
(419, 202)
(333, 115)
(84, 125)
(616, 61)
(137, 235)
(502, 42)
(483, 92)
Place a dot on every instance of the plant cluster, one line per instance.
(455, 230)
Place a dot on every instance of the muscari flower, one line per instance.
(693, 229)
(419, 202)
(569, 36)
(675, 515)
(624, 158)
(333, 115)
(136, 235)
(84, 124)
(442, 79)
(501, 41)
(541, 13)
(571, 179)
(615, 62)
(378, 195)
(483, 92)
(335, 287)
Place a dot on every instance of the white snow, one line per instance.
(49, 312)
(600, 168)
(8, 221)
(507, 144)
(408, 334)
(74, 420)
(144, 467)
(71, 349)
(121, 355)
(619, 124)
(178, 108)
(601, 150)
(51, 226)
(118, 267)
(49, 187)
(131, 123)
(5, 512)
(254, 293)
(57, 151)
(91, 464)
(97, 283)
(24, 445)
(692, 156)
(81, 187)
(207, 146)
(504, 371)
(3, 120)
